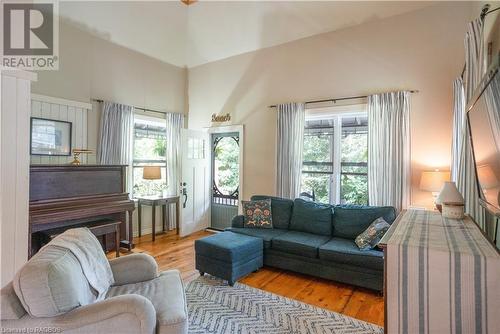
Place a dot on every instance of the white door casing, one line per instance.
(195, 181)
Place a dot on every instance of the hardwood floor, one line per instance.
(171, 252)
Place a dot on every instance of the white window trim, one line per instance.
(145, 115)
(336, 112)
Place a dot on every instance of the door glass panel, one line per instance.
(226, 168)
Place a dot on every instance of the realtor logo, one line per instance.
(30, 35)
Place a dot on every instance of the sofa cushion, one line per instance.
(311, 217)
(257, 213)
(52, 283)
(299, 243)
(229, 247)
(266, 234)
(342, 250)
(281, 210)
(351, 220)
(166, 293)
(370, 237)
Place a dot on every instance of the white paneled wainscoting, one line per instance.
(15, 86)
(78, 113)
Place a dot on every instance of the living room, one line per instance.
(260, 167)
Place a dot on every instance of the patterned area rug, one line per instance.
(215, 307)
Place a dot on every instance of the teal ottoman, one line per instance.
(229, 255)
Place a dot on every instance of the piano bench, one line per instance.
(98, 228)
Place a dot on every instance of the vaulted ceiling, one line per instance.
(207, 31)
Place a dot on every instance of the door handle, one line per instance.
(184, 193)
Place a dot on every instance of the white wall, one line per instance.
(92, 67)
(421, 50)
(68, 111)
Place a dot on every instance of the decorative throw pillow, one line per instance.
(372, 235)
(257, 213)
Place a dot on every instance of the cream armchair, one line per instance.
(53, 294)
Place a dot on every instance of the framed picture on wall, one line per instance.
(50, 137)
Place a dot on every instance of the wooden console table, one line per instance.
(155, 201)
(440, 276)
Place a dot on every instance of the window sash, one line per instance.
(145, 127)
(335, 166)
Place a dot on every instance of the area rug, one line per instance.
(215, 307)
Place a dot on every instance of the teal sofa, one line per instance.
(318, 240)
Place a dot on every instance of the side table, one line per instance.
(155, 201)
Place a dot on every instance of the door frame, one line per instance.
(227, 129)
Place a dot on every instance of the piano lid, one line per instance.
(62, 181)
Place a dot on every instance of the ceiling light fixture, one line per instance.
(188, 2)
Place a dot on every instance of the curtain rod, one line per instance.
(140, 108)
(334, 100)
(486, 10)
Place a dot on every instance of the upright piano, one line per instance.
(65, 196)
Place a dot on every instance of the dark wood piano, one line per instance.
(65, 196)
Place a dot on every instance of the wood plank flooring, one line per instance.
(171, 251)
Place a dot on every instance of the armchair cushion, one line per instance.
(134, 268)
(52, 283)
(11, 306)
(166, 293)
(130, 314)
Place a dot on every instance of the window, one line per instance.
(335, 166)
(149, 150)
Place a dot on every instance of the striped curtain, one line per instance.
(115, 136)
(492, 97)
(389, 179)
(290, 141)
(465, 174)
(458, 124)
(175, 122)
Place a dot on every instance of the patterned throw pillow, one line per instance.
(257, 213)
(372, 235)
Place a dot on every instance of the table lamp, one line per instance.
(451, 201)
(487, 181)
(76, 155)
(433, 181)
(151, 173)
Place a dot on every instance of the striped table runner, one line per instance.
(443, 276)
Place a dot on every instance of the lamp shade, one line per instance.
(151, 173)
(486, 176)
(449, 194)
(433, 181)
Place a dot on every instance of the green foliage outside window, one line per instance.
(354, 188)
(354, 156)
(227, 165)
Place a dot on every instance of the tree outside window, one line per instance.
(335, 164)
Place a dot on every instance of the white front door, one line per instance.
(195, 181)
